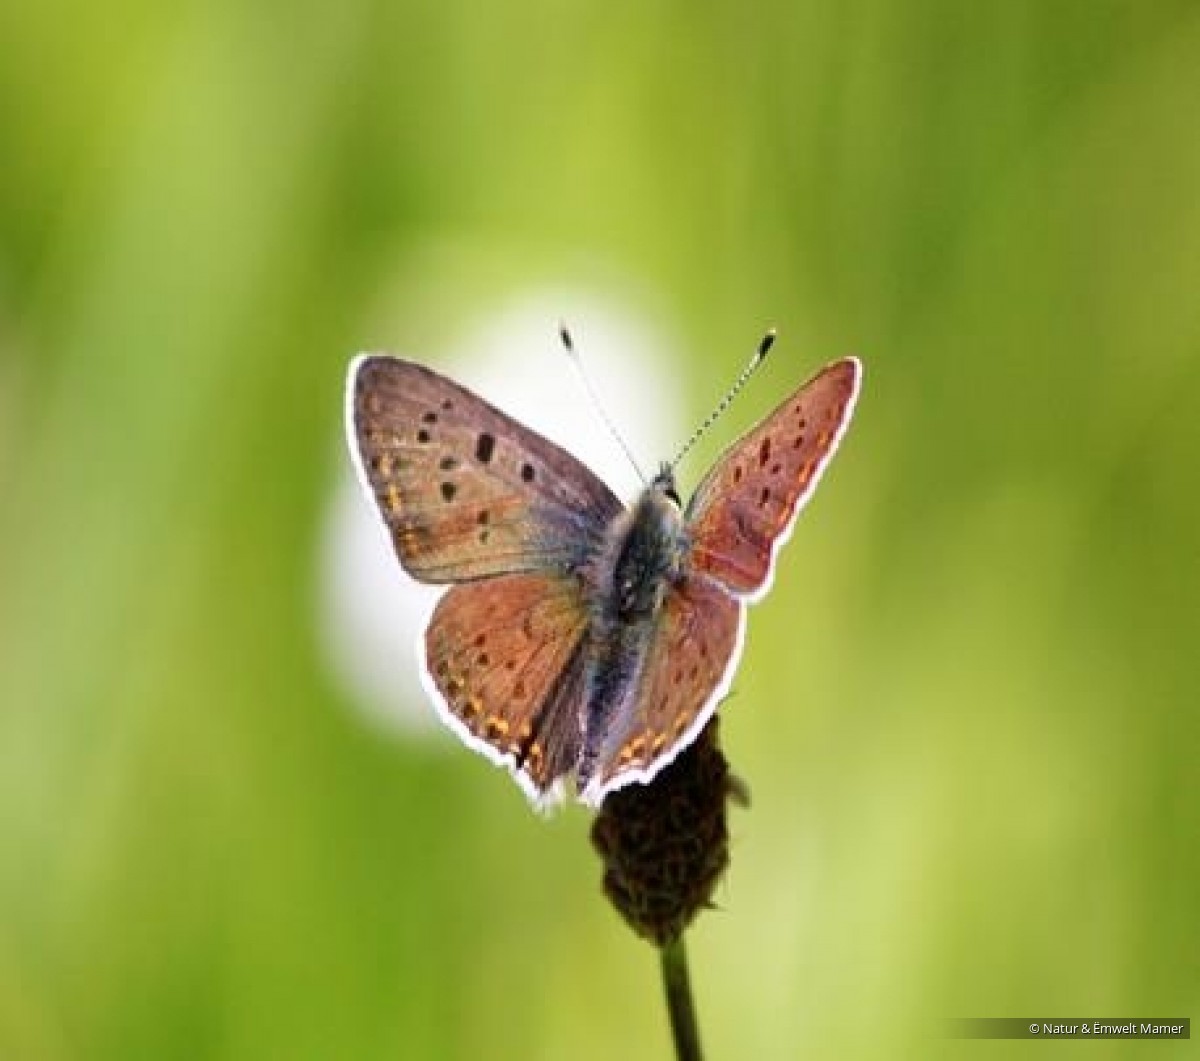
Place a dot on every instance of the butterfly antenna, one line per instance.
(760, 355)
(577, 361)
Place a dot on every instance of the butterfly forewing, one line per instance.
(688, 665)
(745, 508)
(503, 656)
(464, 489)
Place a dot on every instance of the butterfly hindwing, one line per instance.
(504, 658)
(466, 491)
(747, 505)
(689, 662)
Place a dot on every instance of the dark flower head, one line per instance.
(665, 845)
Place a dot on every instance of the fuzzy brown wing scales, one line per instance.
(750, 500)
(504, 655)
(465, 490)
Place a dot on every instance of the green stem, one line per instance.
(680, 1007)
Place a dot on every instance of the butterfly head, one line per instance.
(664, 484)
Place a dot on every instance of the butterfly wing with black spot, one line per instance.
(505, 660)
(746, 507)
(466, 491)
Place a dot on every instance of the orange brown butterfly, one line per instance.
(579, 639)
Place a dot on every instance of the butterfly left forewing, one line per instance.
(465, 490)
(745, 508)
(689, 663)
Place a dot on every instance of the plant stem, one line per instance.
(680, 1007)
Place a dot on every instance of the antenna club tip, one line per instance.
(768, 340)
(564, 335)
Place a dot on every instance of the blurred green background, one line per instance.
(968, 712)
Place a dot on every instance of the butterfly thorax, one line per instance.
(645, 551)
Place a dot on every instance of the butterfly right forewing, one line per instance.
(746, 507)
(466, 492)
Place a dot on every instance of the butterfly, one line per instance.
(579, 639)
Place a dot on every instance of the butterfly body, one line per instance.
(579, 638)
(641, 560)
